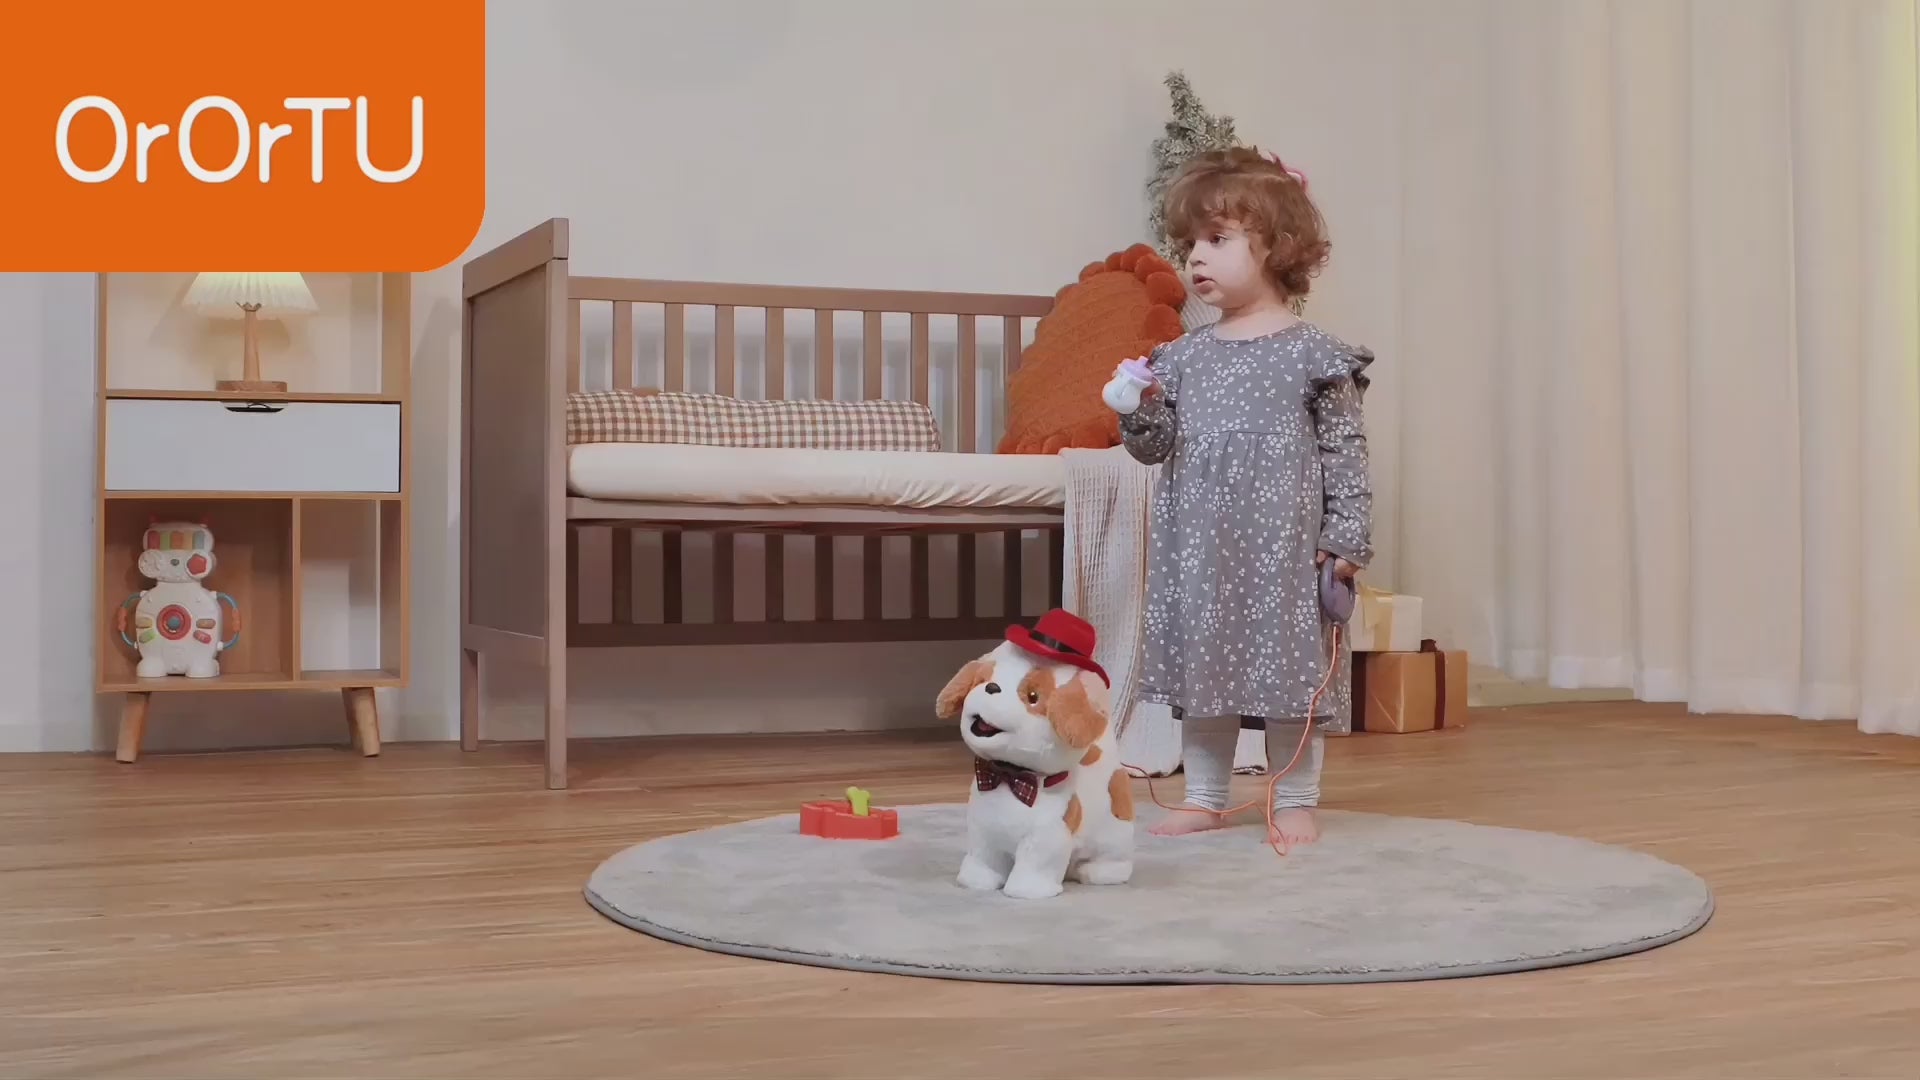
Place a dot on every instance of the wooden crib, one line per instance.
(534, 335)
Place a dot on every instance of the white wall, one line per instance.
(47, 441)
(985, 145)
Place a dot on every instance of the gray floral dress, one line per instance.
(1265, 463)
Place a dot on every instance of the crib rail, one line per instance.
(688, 583)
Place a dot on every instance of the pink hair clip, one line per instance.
(1285, 168)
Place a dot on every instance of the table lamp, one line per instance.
(250, 297)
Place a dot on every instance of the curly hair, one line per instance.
(1256, 192)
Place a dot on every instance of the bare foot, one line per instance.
(1292, 827)
(1189, 819)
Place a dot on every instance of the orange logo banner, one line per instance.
(343, 136)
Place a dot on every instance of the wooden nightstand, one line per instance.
(304, 494)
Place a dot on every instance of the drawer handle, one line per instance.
(255, 407)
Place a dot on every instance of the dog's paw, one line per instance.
(975, 874)
(1105, 871)
(1030, 887)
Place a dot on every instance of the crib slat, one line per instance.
(622, 575)
(670, 583)
(872, 585)
(722, 577)
(1011, 574)
(823, 578)
(1056, 566)
(919, 601)
(823, 388)
(725, 363)
(966, 357)
(776, 384)
(966, 351)
(622, 345)
(872, 387)
(622, 378)
(919, 361)
(724, 360)
(875, 375)
(776, 550)
(573, 346)
(1010, 343)
(776, 363)
(968, 584)
(823, 354)
(673, 377)
(673, 359)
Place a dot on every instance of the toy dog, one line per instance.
(1049, 799)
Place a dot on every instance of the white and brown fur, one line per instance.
(1027, 711)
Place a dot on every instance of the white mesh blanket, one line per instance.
(1105, 567)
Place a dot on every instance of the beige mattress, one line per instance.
(752, 476)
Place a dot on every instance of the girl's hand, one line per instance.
(1151, 390)
(1342, 569)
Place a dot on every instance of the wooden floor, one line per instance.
(313, 913)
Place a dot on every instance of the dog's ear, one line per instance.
(947, 705)
(1097, 692)
(1078, 716)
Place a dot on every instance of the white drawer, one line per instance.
(181, 445)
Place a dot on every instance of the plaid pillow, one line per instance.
(617, 416)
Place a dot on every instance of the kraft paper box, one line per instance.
(1403, 692)
(1383, 622)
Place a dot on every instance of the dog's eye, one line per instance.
(1033, 697)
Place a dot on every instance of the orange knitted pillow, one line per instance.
(1119, 309)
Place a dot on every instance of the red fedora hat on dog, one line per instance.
(1062, 637)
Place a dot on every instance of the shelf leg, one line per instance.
(363, 718)
(133, 725)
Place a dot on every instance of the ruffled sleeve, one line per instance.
(1148, 432)
(1339, 384)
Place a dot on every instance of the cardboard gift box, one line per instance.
(1418, 690)
(1383, 622)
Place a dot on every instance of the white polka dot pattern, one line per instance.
(1265, 463)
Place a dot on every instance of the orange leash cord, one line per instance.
(1300, 748)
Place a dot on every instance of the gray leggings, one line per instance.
(1206, 757)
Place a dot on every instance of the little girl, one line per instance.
(1258, 421)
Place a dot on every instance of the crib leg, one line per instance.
(556, 675)
(469, 699)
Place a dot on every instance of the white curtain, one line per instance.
(1660, 311)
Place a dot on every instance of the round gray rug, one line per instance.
(1378, 899)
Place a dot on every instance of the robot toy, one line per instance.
(177, 623)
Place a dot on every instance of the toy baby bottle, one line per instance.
(1130, 380)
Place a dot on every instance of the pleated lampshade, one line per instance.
(250, 297)
(223, 295)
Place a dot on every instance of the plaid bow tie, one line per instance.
(1024, 783)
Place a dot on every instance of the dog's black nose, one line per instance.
(993, 688)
